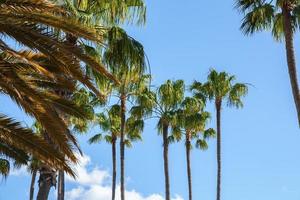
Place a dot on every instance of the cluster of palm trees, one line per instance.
(179, 116)
(73, 59)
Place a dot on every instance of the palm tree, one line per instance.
(34, 165)
(125, 58)
(33, 169)
(282, 18)
(191, 121)
(100, 13)
(220, 87)
(162, 104)
(110, 123)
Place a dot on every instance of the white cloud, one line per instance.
(93, 185)
(85, 177)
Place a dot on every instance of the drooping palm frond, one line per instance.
(95, 139)
(26, 74)
(134, 128)
(11, 156)
(201, 144)
(124, 51)
(4, 167)
(41, 38)
(15, 140)
(237, 91)
(263, 15)
(107, 12)
(12, 152)
(260, 18)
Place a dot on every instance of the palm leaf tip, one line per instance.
(202, 144)
(95, 139)
(4, 167)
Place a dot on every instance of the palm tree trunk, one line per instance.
(122, 145)
(166, 161)
(72, 41)
(61, 185)
(47, 179)
(33, 177)
(290, 55)
(114, 169)
(218, 108)
(188, 163)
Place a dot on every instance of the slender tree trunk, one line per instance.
(33, 177)
(290, 55)
(188, 164)
(122, 145)
(218, 108)
(61, 185)
(47, 179)
(166, 161)
(72, 41)
(113, 193)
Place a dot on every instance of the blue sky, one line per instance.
(260, 142)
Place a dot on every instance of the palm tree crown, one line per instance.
(282, 17)
(263, 15)
(220, 86)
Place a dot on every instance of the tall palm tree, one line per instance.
(100, 13)
(110, 123)
(220, 87)
(191, 122)
(125, 58)
(281, 17)
(162, 104)
(34, 164)
(107, 13)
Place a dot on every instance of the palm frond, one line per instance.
(4, 167)
(95, 139)
(201, 144)
(14, 135)
(258, 19)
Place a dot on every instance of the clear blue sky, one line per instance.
(183, 39)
